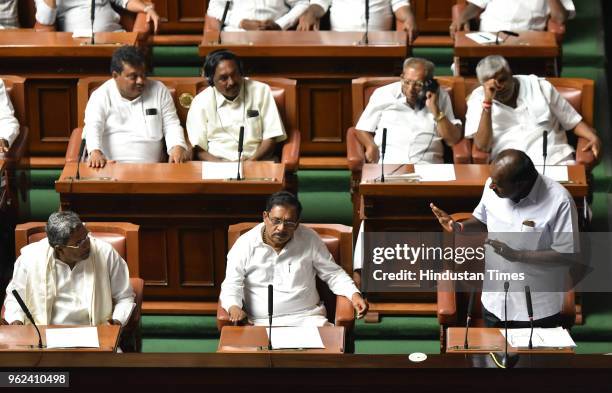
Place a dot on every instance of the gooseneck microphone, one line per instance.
(240, 146)
(508, 361)
(529, 313)
(544, 149)
(364, 39)
(270, 312)
(25, 310)
(227, 5)
(81, 150)
(468, 319)
(93, 17)
(383, 149)
(506, 32)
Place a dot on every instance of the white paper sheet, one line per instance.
(556, 172)
(81, 33)
(435, 172)
(295, 337)
(81, 337)
(220, 170)
(542, 338)
(483, 37)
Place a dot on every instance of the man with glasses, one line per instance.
(70, 278)
(281, 252)
(128, 117)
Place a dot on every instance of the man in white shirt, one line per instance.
(8, 14)
(289, 256)
(512, 112)
(229, 103)
(536, 218)
(349, 15)
(255, 14)
(70, 278)
(515, 15)
(9, 126)
(128, 117)
(417, 115)
(73, 15)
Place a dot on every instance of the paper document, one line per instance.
(556, 172)
(542, 338)
(81, 337)
(483, 37)
(220, 170)
(295, 337)
(435, 172)
(81, 33)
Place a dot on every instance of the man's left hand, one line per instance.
(432, 102)
(153, 16)
(177, 155)
(410, 27)
(4, 147)
(505, 251)
(593, 145)
(269, 24)
(360, 305)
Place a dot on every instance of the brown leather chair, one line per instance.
(579, 93)
(124, 239)
(338, 239)
(452, 304)
(557, 28)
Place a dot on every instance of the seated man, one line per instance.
(255, 15)
(230, 102)
(9, 126)
(73, 15)
(417, 114)
(517, 199)
(8, 14)
(129, 116)
(289, 256)
(70, 278)
(516, 15)
(349, 15)
(512, 112)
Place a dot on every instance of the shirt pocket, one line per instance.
(529, 238)
(254, 128)
(153, 124)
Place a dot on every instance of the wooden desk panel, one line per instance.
(324, 63)
(532, 52)
(183, 219)
(254, 339)
(20, 338)
(485, 340)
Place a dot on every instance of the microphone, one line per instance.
(367, 22)
(382, 157)
(529, 313)
(270, 312)
(25, 310)
(227, 4)
(81, 150)
(506, 32)
(240, 143)
(508, 361)
(544, 149)
(93, 17)
(468, 319)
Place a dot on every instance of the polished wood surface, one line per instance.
(181, 16)
(15, 338)
(250, 339)
(324, 64)
(433, 16)
(183, 219)
(485, 340)
(531, 52)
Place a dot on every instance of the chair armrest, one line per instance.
(41, 27)
(568, 309)
(74, 143)
(585, 158)
(462, 151)
(557, 28)
(18, 148)
(355, 152)
(138, 287)
(447, 303)
(290, 155)
(345, 313)
(479, 156)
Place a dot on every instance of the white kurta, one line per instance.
(132, 131)
(72, 296)
(74, 15)
(552, 210)
(214, 122)
(284, 12)
(517, 15)
(8, 14)
(349, 15)
(412, 135)
(252, 265)
(9, 126)
(539, 108)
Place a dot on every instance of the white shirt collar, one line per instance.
(221, 100)
(118, 95)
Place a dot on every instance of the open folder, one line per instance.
(542, 338)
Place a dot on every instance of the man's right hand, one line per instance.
(236, 314)
(444, 219)
(372, 155)
(97, 159)
(308, 21)
(4, 147)
(455, 27)
(490, 89)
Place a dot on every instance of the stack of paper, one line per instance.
(82, 337)
(220, 170)
(556, 172)
(542, 338)
(435, 172)
(295, 337)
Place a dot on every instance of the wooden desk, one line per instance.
(52, 63)
(532, 52)
(24, 338)
(485, 340)
(183, 219)
(323, 63)
(250, 339)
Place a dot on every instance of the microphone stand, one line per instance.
(544, 150)
(270, 312)
(227, 4)
(93, 17)
(25, 310)
(382, 156)
(468, 319)
(364, 40)
(508, 360)
(240, 148)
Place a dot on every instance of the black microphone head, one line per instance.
(384, 141)
(270, 299)
(506, 286)
(22, 305)
(241, 139)
(470, 303)
(528, 299)
(545, 143)
(82, 148)
(367, 9)
(93, 10)
(508, 32)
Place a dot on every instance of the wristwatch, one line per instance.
(441, 116)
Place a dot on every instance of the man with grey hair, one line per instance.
(417, 114)
(70, 278)
(512, 112)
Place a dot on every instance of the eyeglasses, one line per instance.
(416, 84)
(277, 221)
(79, 244)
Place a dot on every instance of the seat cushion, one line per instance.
(279, 98)
(333, 245)
(572, 95)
